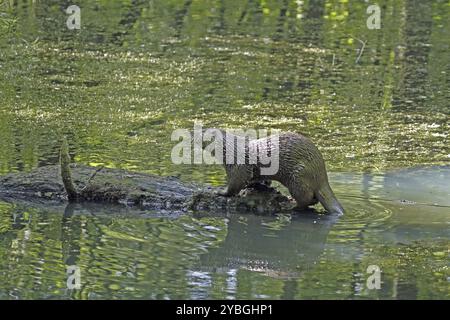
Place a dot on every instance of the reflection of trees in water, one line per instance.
(414, 52)
(154, 262)
(130, 15)
(180, 16)
(123, 257)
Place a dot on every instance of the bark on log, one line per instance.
(135, 190)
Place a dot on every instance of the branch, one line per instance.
(64, 160)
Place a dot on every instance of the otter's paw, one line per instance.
(223, 193)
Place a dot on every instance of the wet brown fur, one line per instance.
(301, 170)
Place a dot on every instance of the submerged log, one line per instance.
(134, 190)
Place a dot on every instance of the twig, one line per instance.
(94, 174)
(360, 50)
(92, 177)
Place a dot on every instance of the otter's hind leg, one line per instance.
(302, 196)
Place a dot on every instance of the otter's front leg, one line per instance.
(232, 189)
(237, 181)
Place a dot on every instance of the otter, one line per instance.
(301, 169)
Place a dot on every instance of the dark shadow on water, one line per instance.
(281, 246)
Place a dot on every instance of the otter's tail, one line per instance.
(327, 198)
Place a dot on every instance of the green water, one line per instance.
(137, 70)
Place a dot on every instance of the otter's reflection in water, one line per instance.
(281, 247)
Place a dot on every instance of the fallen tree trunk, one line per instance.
(134, 190)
